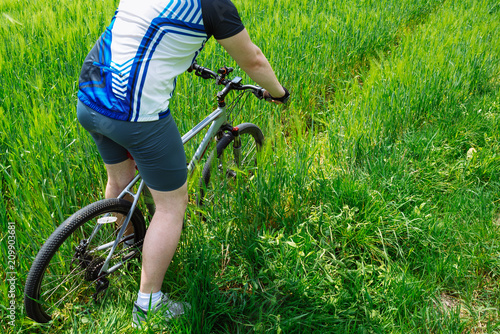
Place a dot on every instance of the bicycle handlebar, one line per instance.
(220, 78)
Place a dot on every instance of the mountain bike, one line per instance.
(82, 257)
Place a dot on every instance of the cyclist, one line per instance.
(125, 85)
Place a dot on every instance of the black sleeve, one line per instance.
(221, 18)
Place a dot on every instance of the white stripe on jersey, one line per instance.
(176, 36)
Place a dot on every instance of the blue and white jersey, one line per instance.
(131, 71)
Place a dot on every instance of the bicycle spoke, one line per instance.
(67, 271)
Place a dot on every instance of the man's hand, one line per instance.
(278, 100)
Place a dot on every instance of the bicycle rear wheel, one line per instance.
(65, 273)
(231, 165)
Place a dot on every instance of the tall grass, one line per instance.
(375, 206)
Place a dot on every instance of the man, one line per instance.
(125, 85)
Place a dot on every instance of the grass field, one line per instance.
(375, 208)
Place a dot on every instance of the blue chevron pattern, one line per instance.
(137, 59)
(181, 17)
(120, 76)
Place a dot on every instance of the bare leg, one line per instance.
(162, 237)
(119, 176)
(164, 230)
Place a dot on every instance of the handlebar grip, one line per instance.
(259, 93)
(201, 71)
(193, 67)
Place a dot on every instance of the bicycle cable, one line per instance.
(235, 102)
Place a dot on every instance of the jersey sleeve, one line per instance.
(221, 18)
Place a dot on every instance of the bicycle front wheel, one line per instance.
(234, 161)
(66, 272)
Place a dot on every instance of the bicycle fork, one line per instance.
(236, 145)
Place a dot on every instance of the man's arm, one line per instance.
(251, 60)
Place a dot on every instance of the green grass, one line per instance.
(375, 208)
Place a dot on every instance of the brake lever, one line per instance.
(259, 93)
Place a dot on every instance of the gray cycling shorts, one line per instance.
(155, 146)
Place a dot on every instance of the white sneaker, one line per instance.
(170, 308)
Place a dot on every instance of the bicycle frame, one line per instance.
(217, 119)
(93, 262)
